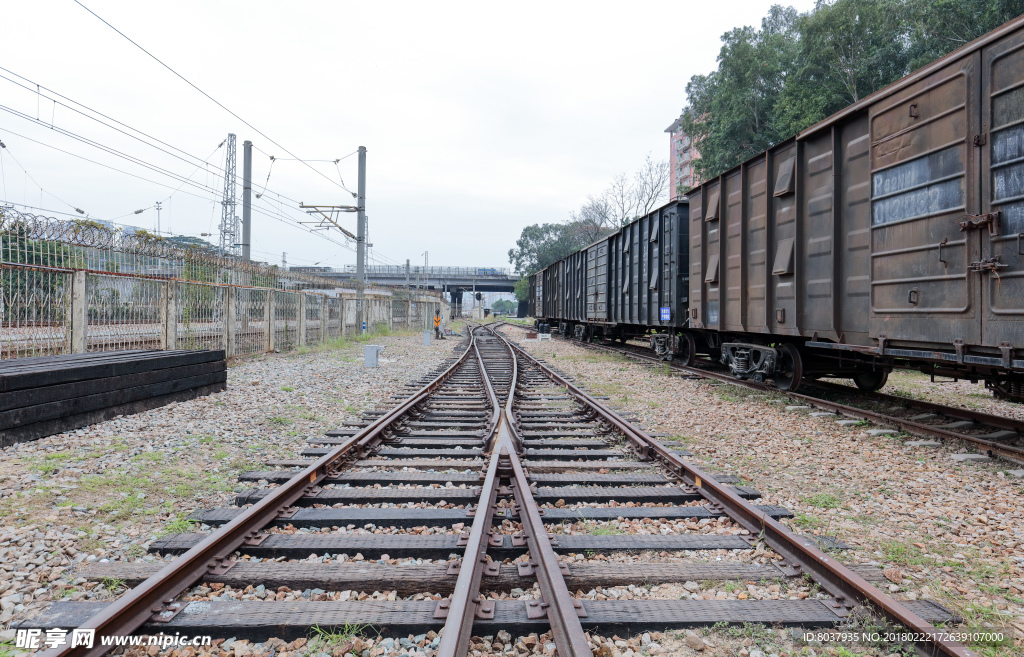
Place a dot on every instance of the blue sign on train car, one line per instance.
(666, 313)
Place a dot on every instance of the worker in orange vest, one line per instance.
(437, 324)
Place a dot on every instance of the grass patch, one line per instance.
(333, 640)
(806, 521)
(180, 525)
(288, 388)
(824, 501)
(279, 421)
(594, 529)
(902, 554)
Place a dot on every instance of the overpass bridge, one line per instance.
(454, 281)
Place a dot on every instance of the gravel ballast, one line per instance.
(942, 530)
(106, 491)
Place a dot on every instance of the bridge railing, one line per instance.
(434, 272)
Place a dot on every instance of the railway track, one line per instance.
(495, 500)
(992, 435)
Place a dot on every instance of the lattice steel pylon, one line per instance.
(230, 230)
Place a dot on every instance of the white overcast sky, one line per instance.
(479, 118)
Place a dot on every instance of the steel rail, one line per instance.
(992, 448)
(847, 587)
(557, 603)
(996, 421)
(465, 604)
(153, 599)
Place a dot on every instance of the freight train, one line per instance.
(890, 235)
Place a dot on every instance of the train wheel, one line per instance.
(871, 381)
(687, 353)
(1007, 390)
(789, 371)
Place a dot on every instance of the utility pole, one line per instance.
(407, 274)
(158, 204)
(246, 197)
(284, 261)
(228, 220)
(361, 240)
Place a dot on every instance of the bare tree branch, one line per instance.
(650, 185)
(622, 200)
(592, 220)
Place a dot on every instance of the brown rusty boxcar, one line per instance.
(889, 235)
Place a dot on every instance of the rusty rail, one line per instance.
(847, 588)
(466, 604)
(557, 604)
(1010, 453)
(153, 599)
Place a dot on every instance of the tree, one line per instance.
(522, 289)
(940, 26)
(591, 221)
(188, 241)
(504, 306)
(798, 69)
(540, 245)
(730, 111)
(650, 183)
(848, 50)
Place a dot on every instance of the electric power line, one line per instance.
(155, 168)
(186, 80)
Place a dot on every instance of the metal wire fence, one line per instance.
(335, 321)
(78, 286)
(200, 316)
(250, 320)
(34, 305)
(123, 312)
(314, 308)
(286, 320)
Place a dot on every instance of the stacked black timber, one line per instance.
(51, 394)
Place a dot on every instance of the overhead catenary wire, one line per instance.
(194, 158)
(215, 193)
(101, 114)
(191, 159)
(41, 189)
(214, 100)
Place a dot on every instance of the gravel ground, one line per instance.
(962, 394)
(105, 492)
(941, 530)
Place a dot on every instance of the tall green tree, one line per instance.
(938, 27)
(847, 50)
(731, 111)
(540, 245)
(798, 69)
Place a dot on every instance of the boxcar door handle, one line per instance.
(944, 240)
(913, 296)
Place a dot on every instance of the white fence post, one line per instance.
(302, 320)
(230, 311)
(325, 313)
(268, 317)
(79, 312)
(170, 318)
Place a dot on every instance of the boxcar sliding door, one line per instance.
(1001, 269)
(924, 169)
